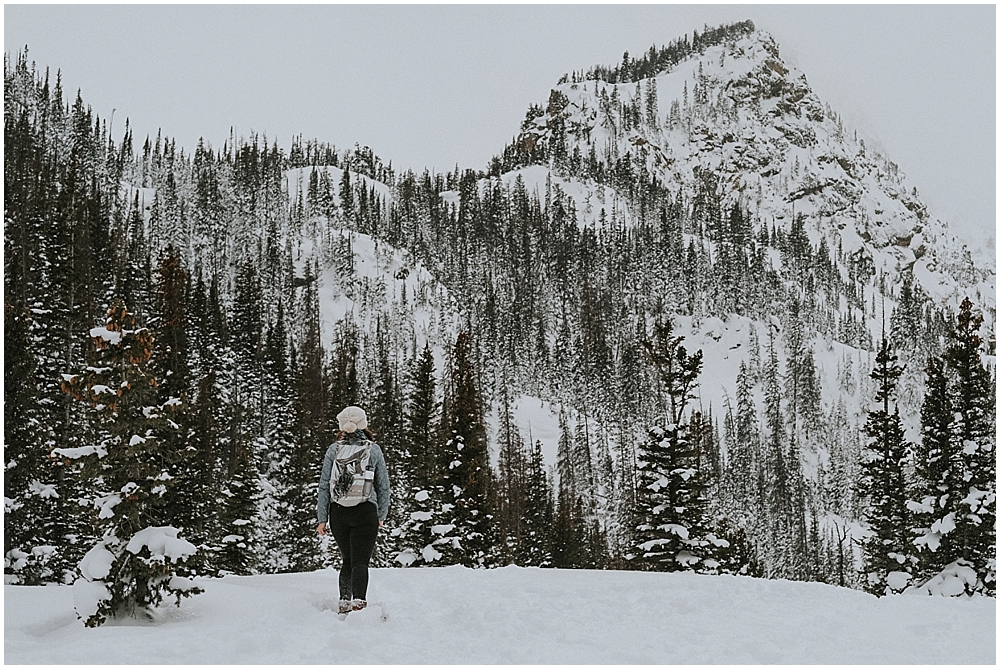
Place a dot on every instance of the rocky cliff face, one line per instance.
(737, 111)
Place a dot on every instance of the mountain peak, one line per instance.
(724, 103)
(657, 60)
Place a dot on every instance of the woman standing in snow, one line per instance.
(353, 501)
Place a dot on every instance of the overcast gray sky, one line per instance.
(436, 85)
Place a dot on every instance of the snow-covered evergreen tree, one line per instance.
(511, 484)
(742, 467)
(955, 503)
(133, 567)
(571, 545)
(777, 479)
(423, 500)
(671, 528)
(238, 518)
(29, 477)
(467, 475)
(975, 429)
(536, 522)
(276, 453)
(888, 556)
(938, 472)
(387, 424)
(191, 500)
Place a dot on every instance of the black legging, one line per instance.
(354, 528)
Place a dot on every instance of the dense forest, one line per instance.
(171, 361)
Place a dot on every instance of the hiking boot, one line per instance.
(344, 606)
(358, 604)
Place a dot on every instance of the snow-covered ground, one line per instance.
(522, 616)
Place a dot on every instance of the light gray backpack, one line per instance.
(352, 480)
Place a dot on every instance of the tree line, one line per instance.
(230, 391)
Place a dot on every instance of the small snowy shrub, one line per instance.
(121, 579)
(957, 579)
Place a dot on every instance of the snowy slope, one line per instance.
(364, 279)
(373, 280)
(741, 113)
(454, 615)
(752, 119)
(589, 198)
(296, 182)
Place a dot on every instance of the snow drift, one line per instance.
(512, 615)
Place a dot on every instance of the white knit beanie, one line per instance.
(352, 419)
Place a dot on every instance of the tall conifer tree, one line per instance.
(956, 485)
(887, 552)
(130, 461)
(467, 471)
(670, 525)
(421, 480)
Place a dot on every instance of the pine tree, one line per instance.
(777, 481)
(190, 501)
(299, 475)
(203, 475)
(421, 422)
(584, 484)
(277, 450)
(677, 370)
(422, 479)
(887, 553)
(938, 473)
(956, 471)
(130, 570)
(238, 517)
(570, 545)
(386, 422)
(975, 429)
(208, 424)
(670, 527)
(743, 443)
(651, 104)
(536, 521)
(511, 483)
(246, 340)
(906, 324)
(467, 470)
(29, 481)
(347, 198)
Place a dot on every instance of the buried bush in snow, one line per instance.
(120, 579)
(957, 579)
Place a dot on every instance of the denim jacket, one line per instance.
(380, 491)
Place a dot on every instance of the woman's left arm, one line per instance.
(323, 492)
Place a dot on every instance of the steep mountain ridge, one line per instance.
(735, 111)
(739, 111)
